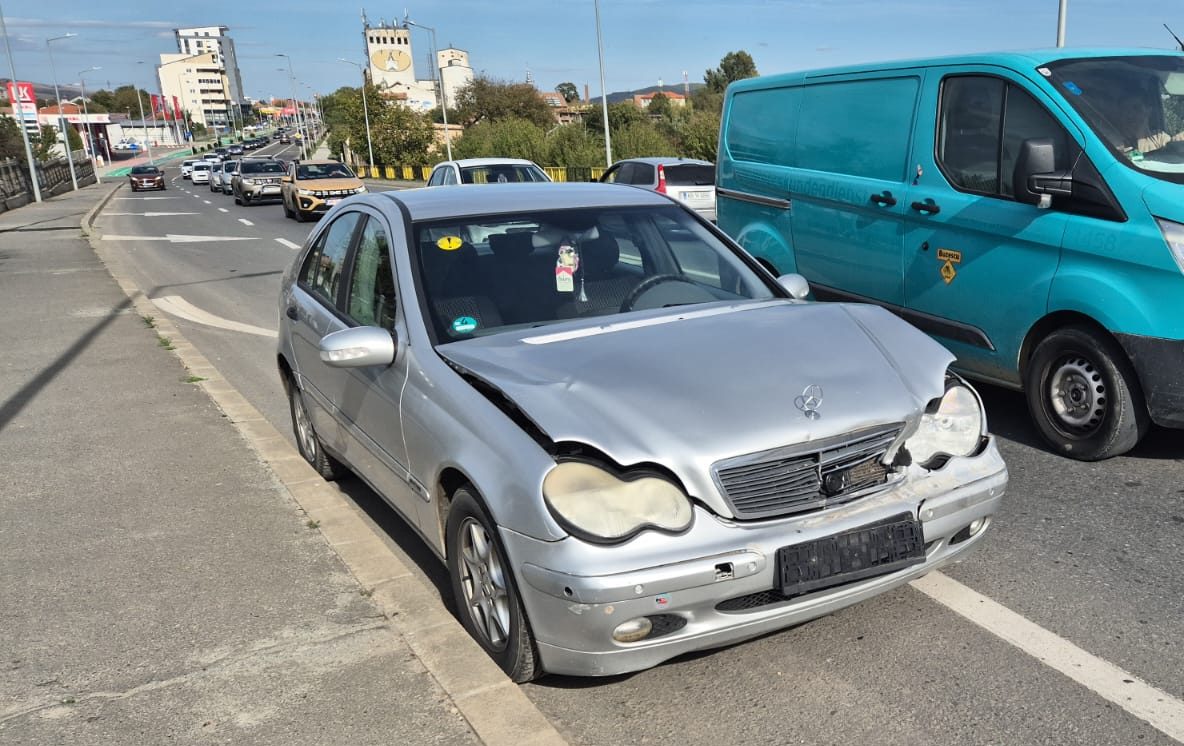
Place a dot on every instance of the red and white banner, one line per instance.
(176, 109)
(20, 94)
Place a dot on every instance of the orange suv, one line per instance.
(312, 187)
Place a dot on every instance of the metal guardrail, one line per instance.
(421, 173)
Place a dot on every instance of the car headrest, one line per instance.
(599, 256)
(511, 245)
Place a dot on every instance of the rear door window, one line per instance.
(690, 175)
(322, 269)
(858, 127)
(643, 174)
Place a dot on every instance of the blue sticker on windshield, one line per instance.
(464, 324)
(1071, 87)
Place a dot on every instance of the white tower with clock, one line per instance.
(392, 66)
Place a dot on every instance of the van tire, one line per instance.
(1084, 396)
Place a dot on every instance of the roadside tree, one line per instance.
(734, 66)
(508, 138)
(640, 140)
(488, 100)
(569, 92)
(572, 145)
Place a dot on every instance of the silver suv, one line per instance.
(257, 179)
(689, 181)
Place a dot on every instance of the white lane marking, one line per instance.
(177, 238)
(152, 214)
(244, 221)
(181, 308)
(197, 196)
(223, 209)
(289, 244)
(1155, 706)
(206, 201)
(138, 199)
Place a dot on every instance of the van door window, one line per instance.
(977, 154)
(968, 141)
(858, 127)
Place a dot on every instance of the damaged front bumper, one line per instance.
(714, 584)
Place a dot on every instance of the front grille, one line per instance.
(665, 624)
(805, 477)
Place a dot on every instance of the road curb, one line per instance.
(495, 708)
(88, 220)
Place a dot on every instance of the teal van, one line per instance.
(1027, 209)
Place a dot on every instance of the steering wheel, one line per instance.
(648, 284)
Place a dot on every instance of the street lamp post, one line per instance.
(17, 111)
(1062, 11)
(57, 94)
(608, 142)
(89, 145)
(140, 101)
(435, 70)
(300, 128)
(365, 111)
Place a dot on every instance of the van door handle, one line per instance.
(928, 207)
(884, 199)
(291, 313)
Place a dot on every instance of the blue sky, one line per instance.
(645, 40)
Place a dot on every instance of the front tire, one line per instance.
(484, 590)
(307, 442)
(1084, 395)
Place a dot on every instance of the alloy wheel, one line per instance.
(484, 583)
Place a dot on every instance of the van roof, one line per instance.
(1022, 60)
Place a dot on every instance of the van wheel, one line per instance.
(484, 590)
(1084, 395)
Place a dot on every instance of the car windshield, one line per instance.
(685, 174)
(261, 167)
(486, 274)
(500, 174)
(145, 170)
(323, 171)
(201, 167)
(1135, 104)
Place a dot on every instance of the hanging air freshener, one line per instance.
(565, 268)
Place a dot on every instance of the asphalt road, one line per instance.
(1088, 553)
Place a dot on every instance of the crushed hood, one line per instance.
(686, 390)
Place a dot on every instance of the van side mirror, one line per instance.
(1034, 180)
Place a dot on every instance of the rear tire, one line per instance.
(1084, 395)
(484, 589)
(307, 442)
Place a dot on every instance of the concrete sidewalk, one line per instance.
(159, 582)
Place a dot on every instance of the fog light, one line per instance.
(976, 525)
(633, 630)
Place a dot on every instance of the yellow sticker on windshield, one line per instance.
(449, 243)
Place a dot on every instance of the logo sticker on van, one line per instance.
(949, 255)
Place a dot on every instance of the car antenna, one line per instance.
(1173, 33)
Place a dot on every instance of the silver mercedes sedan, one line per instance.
(624, 437)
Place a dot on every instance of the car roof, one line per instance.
(463, 199)
(1016, 60)
(671, 161)
(470, 162)
(319, 162)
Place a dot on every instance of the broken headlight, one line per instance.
(598, 505)
(953, 429)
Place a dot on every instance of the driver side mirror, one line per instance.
(1034, 180)
(796, 285)
(358, 347)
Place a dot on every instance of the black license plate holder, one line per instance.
(865, 552)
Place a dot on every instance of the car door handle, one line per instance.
(884, 199)
(291, 313)
(928, 207)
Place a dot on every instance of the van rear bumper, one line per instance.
(1158, 363)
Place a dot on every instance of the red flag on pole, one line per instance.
(176, 109)
(155, 105)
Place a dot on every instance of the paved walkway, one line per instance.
(158, 584)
